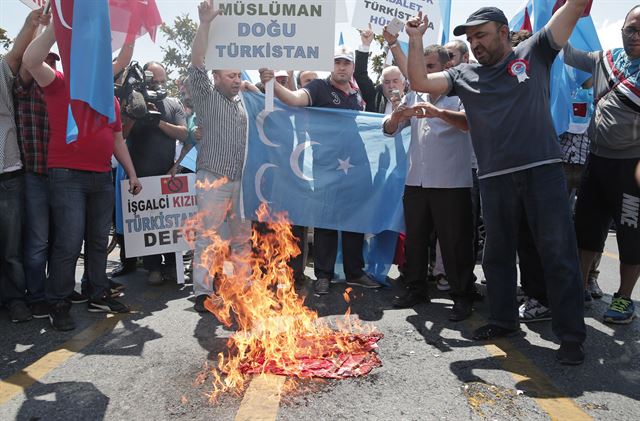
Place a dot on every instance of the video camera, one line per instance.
(135, 91)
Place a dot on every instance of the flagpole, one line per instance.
(47, 9)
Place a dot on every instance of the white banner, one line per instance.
(284, 34)
(379, 13)
(153, 219)
(34, 4)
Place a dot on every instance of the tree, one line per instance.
(5, 41)
(177, 52)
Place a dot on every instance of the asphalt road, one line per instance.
(144, 365)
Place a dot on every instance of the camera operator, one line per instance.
(152, 144)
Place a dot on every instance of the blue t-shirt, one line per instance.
(507, 107)
(322, 93)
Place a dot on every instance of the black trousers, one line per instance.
(448, 212)
(325, 250)
(531, 270)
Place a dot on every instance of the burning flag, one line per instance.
(276, 333)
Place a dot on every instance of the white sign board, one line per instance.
(35, 4)
(284, 34)
(379, 13)
(153, 219)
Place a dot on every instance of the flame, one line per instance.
(276, 333)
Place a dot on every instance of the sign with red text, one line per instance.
(153, 220)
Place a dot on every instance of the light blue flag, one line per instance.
(565, 79)
(327, 168)
(445, 15)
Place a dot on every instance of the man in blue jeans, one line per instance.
(12, 280)
(506, 98)
(81, 191)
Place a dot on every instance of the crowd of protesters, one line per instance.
(483, 153)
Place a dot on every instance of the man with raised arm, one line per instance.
(223, 122)
(12, 279)
(506, 98)
(80, 189)
(608, 188)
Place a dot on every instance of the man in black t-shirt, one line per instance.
(152, 146)
(335, 91)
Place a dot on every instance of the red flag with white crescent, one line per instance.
(131, 19)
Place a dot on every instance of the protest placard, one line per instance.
(153, 219)
(34, 4)
(285, 34)
(379, 13)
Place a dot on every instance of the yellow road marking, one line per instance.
(539, 387)
(611, 255)
(262, 399)
(546, 395)
(25, 378)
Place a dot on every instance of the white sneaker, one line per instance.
(532, 311)
(441, 283)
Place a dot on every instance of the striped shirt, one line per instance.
(224, 127)
(9, 151)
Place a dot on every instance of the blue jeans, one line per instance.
(79, 199)
(12, 283)
(538, 194)
(36, 234)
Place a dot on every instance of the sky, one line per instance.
(608, 16)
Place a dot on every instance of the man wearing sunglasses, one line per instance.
(609, 189)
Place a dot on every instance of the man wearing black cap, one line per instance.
(506, 97)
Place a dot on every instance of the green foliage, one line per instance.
(5, 41)
(177, 50)
(376, 61)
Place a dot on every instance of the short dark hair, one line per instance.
(460, 45)
(629, 12)
(519, 36)
(443, 54)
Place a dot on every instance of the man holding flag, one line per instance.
(80, 183)
(608, 188)
(506, 98)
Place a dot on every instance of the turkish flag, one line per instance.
(560, 3)
(580, 109)
(173, 185)
(131, 19)
(526, 25)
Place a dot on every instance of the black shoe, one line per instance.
(461, 310)
(19, 312)
(410, 297)
(106, 304)
(121, 270)
(570, 353)
(78, 298)
(490, 331)
(60, 318)
(364, 281)
(115, 286)
(39, 309)
(321, 286)
(199, 305)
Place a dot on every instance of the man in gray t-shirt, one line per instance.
(506, 98)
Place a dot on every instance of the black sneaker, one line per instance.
(60, 318)
(115, 286)
(491, 331)
(106, 304)
(78, 298)
(122, 270)
(570, 353)
(19, 312)
(461, 310)
(321, 286)
(39, 309)
(410, 297)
